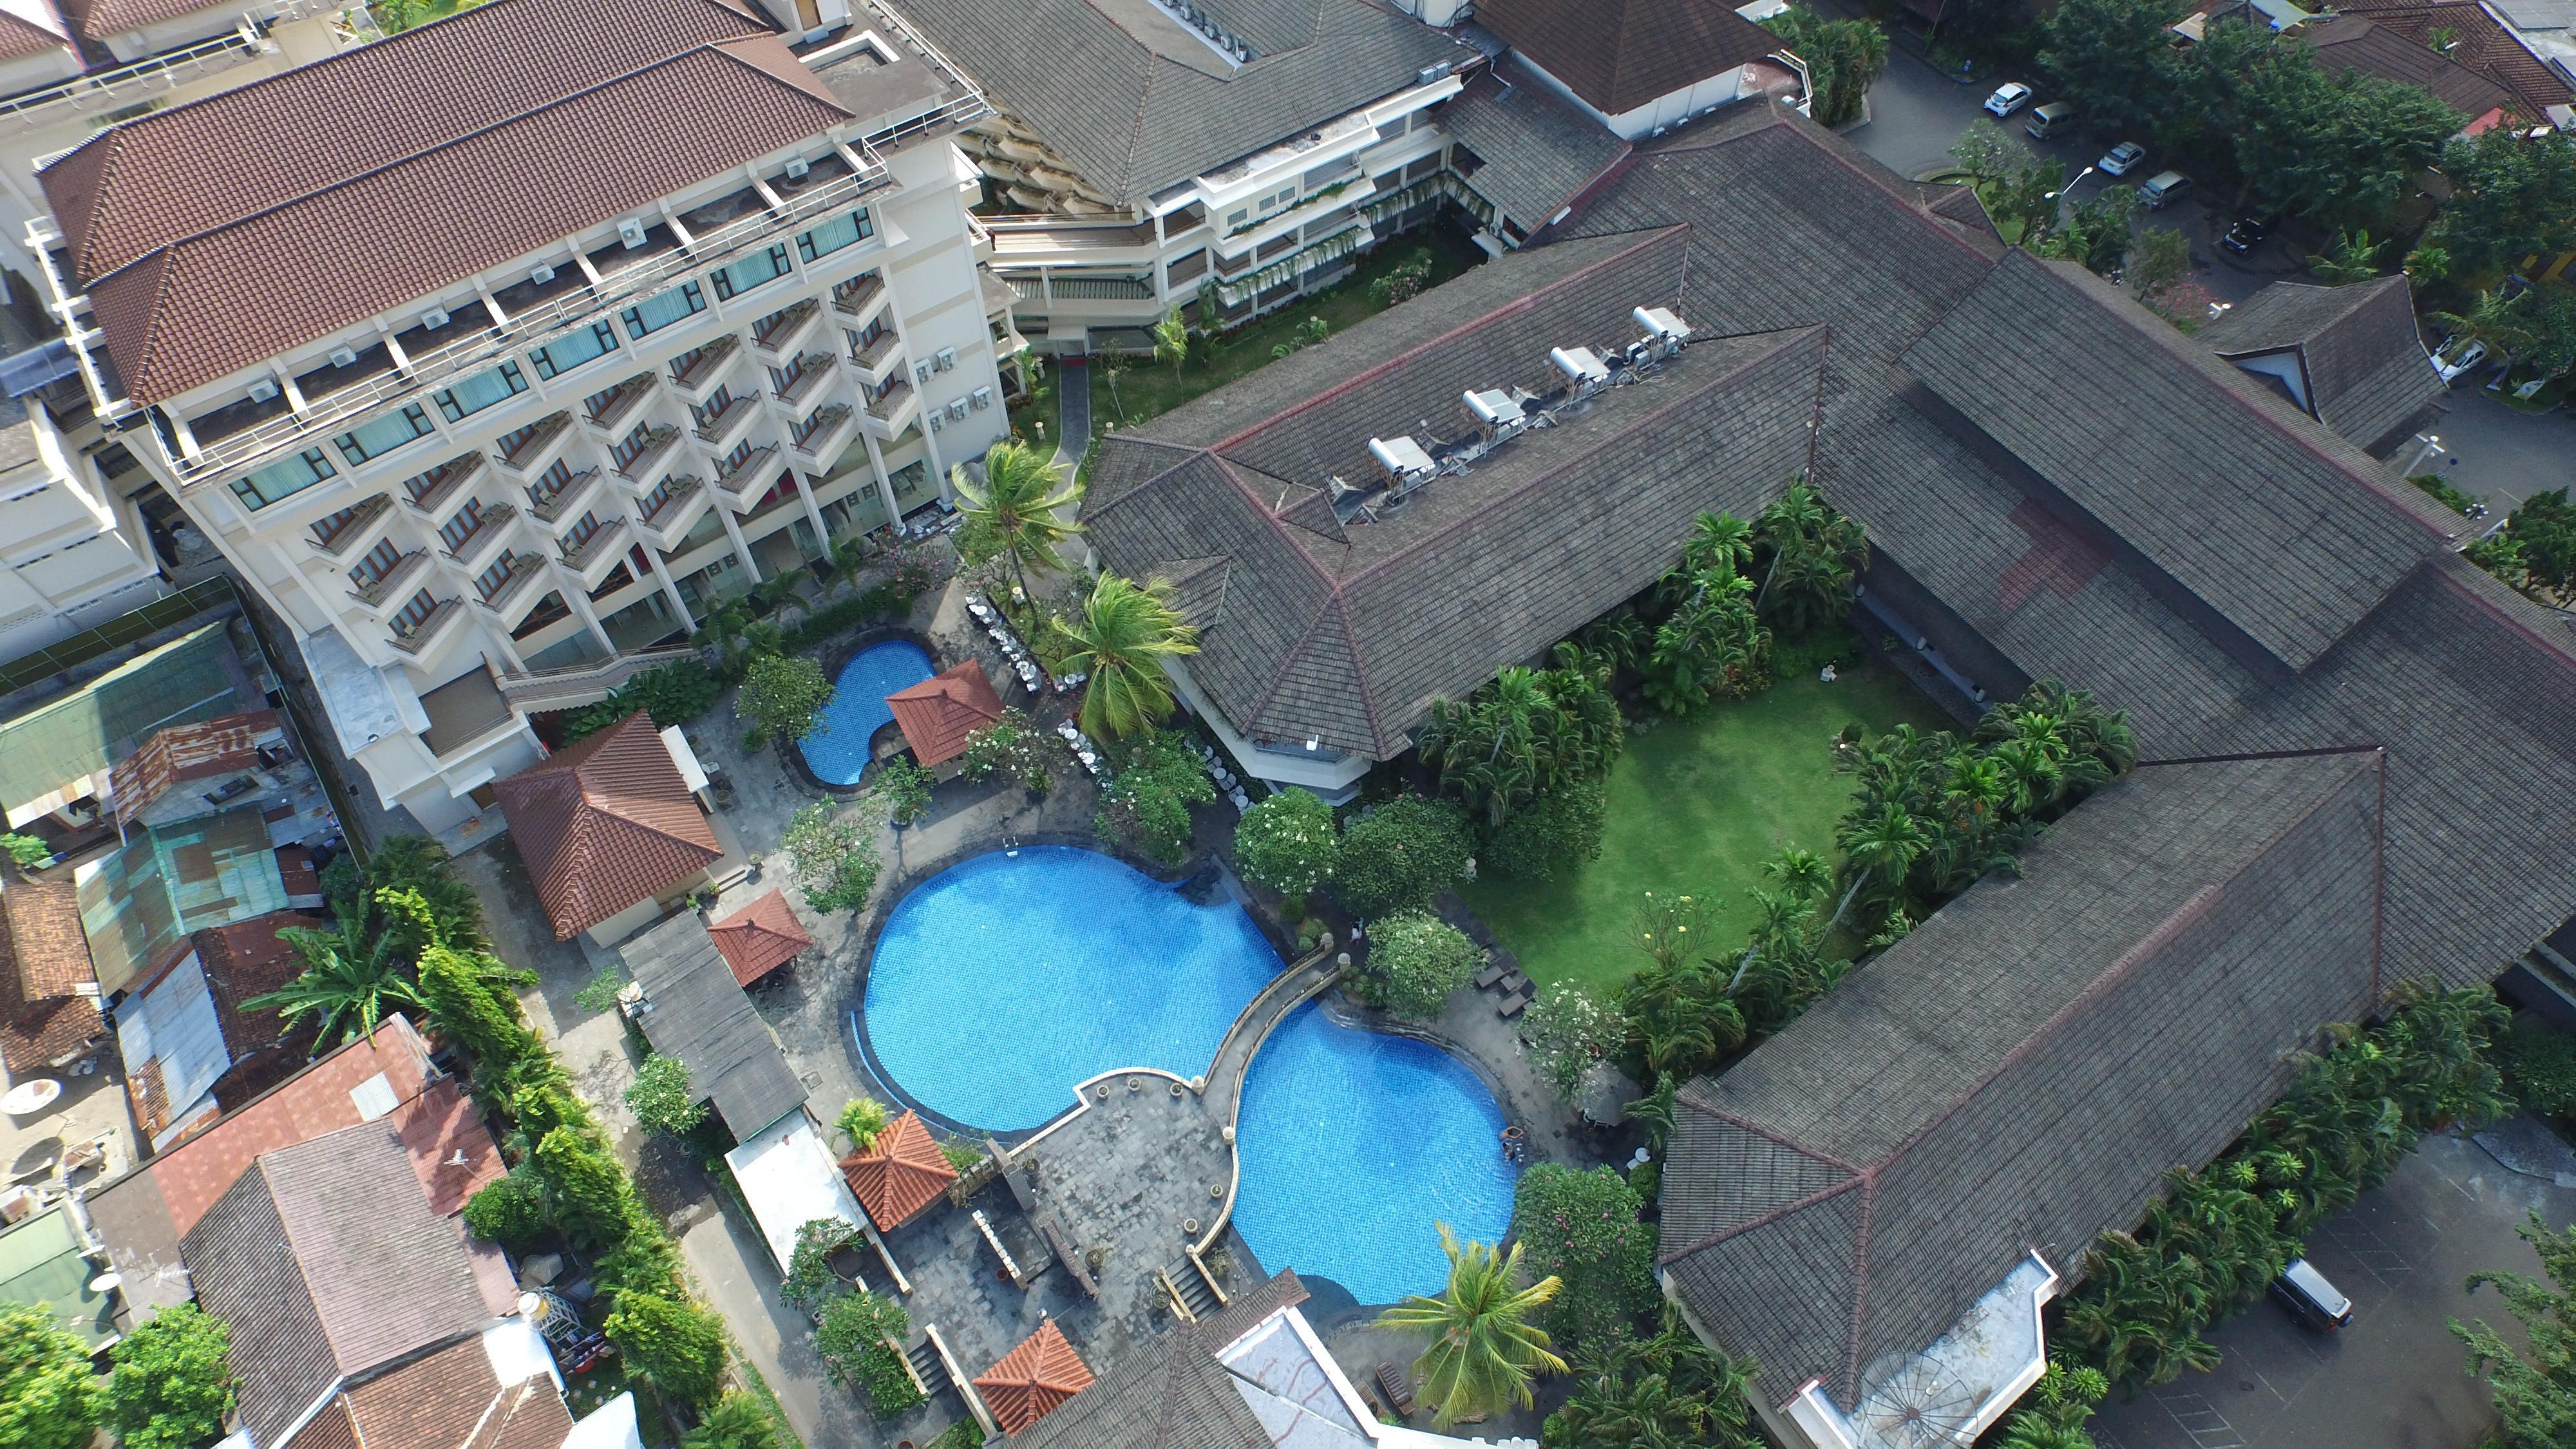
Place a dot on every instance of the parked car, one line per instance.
(2163, 189)
(2009, 97)
(2246, 234)
(2310, 1298)
(2048, 120)
(2452, 363)
(2120, 159)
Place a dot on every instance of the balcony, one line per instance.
(780, 332)
(533, 446)
(811, 369)
(706, 367)
(667, 526)
(1020, 241)
(477, 546)
(514, 586)
(718, 431)
(394, 585)
(594, 556)
(439, 486)
(431, 631)
(648, 458)
(858, 297)
(576, 494)
(741, 485)
(619, 403)
(877, 354)
(887, 414)
(820, 442)
(358, 531)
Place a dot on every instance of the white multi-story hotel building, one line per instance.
(72, 550)
(492, 353)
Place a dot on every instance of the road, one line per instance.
(2396, 1379)
(2490, 451)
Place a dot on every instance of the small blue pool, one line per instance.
(1003, 981)
(837, 749)
(1353, 1145)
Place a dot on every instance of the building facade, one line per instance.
(600, 372)
(76, 552)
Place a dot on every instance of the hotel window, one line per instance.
(866, 337)
(551, 482)
(783, 378)
(682, 301)
(489, 582)
(467, 523)
(329, 529)
(878, 392)
(414, 614)
(420, 485)
(480, 391)
(378, 562)
(556, 358)
(735, 459)
(582, 531)
(632, 446)
(653, 499)
(839, 232)
(383, 435)
(752, 271)
(715, 405)
(283, 478)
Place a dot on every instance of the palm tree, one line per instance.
(1880, 852)
(1022, 510)
(2353, 257)
(1172, 341)
(1716, 536)
(787, 586)
(352, 976)
(848, 561)
(1120, 639)
(1483, 1351)
(2491, 319)
(417, 865)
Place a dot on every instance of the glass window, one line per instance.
(596, 340)
(652, 501)
(415, 613)
(581, 531)
(377, 562)
(713, 408)
(752, 271)
(653, 315)
(632, 446)
(480, 391)
(383, 435)
(467, 522)
(329, 528)
(489, 582)
(734, 459)
(1236, 216)
(839, 232)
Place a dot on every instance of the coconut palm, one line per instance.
(2492, 319)
(847, 563)
(1022, 511)
(1120, 638)
(1879, 852)
(1172, 341)
(1716, 536)
(1484, 1352)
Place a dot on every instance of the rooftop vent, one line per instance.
(434, 318)
(262, 390)
(541, 274)
(631, 232)
(797, 166)
(343, 357)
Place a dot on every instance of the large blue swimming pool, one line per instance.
(837, 750)
(1353, 1145)
(1001, 982)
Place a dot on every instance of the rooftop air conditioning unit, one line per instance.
(1582, 366)
(983, 398)
(434, 318)
(957, 409)
(343, 357)
(944, 359)
(262, 390)
(936, 421)
(797, 166)
(541, 274)
(631, 232)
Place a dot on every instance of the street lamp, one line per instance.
(2070, 185)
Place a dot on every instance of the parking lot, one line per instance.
(2396, 1378)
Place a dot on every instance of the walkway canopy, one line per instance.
(900, 1174)
(1033, 1379)
(786, 1175)
(940, 712)
(760, 938)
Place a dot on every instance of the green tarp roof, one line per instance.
(64, 740)
(41, 1262)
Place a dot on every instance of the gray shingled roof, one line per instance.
(2367, 375)
(327, 1261)
(1171, 1393)
(2020, 1071)
(1347, 633)
(1623, 55)
(701, 1016)
(1137, 102)
(1538, 150)
(2285, 539)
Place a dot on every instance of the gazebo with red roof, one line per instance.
(940, 712)
(759, 938)
(900, 1174)
(1032, 1379)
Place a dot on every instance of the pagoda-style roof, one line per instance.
(902, 1173)
(1032, 1379)
(940, 712)
(759, 938)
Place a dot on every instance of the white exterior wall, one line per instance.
(1667, 109)
(372, 662)
(69, 557)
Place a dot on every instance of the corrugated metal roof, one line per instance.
(62, 749)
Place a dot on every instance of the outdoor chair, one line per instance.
(1515, 982)
(1490, 975)
(1510, 1006)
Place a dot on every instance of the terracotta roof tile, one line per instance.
(188, 752)
(940, 712)
(44, 938)
(1032, 1379)
(1625, 53)
(207, 234)
(245, 960)
(439, 1126)
(759, 938)
(436, 1400)
(21, 37)
(900, 1175)
(2481, 42)
(605, 824)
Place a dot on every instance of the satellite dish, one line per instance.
(107, 1282)
(1920, 1406)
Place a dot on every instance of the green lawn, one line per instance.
(1695, 809)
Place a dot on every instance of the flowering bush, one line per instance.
(662, 1099)
(1401, 854)
(1568, 1028)
(1011, 746)
(836, 855)
(1415, 960)
(1583, 1228)
(1287, 843)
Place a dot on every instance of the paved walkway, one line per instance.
(1073, 411)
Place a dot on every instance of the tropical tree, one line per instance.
(739, 1420)
(1844, 59)
(49, 1399)
(419, 864)
(2535, 1389)
(847, 563)
(1484, 1351)
(2113, 60)
(1022, 511)
(782, 697)
(1816, 558)
(1525, 734)
(2096, 231)
(1120, 639)
(1878, 852)
(172, 1383)
(786, 586)
(1669, 1392)
(2513, 195)
(1287, 842)
(1172, 340)
(353, 974)
(1713, 646)
(2018, 190)
(2493, 318)
(2352, 257)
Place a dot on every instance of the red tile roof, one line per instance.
(759, 938)
(1032, 1379)
(940, 712)
(898, 1176)
(210, 235)
(606, 823)
(22, 36)
(43, 936)
(188, 752)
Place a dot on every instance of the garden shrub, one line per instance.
(1287, 843)
(586, 1189)
(673, 694)
(781, 695)
(739, 1420)
(1013, 747)
(645, 1262)
(810, 1283)
(862, 1120)
(2539, 1064)
(678, 1347)
(1401, 854)
(510, 1210)
(662, 1098)
(172, 1381)
(49, 1399)
(1568, 1028)
(961, 1157)
(964, 1434)
(836, 855)
(1146, 797)
(1415, 960)
(26, 850)
(1557, 831)
(1583, 1227)
(853, 1342)
(904, 787)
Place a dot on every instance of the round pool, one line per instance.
(836, 749)
(1001, 982)
(1353, 1144)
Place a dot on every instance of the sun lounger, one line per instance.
(1515, 983)
(1489, 976)
(1510, 1006)
(1398, 1388)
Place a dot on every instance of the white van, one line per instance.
(2050, 119)
(2163, 189)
